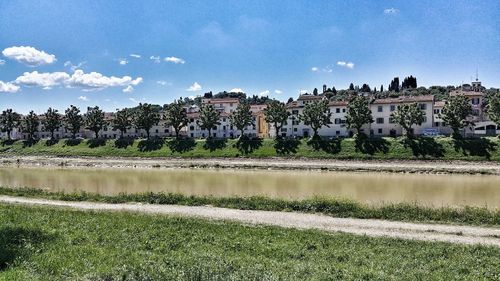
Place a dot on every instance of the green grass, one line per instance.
(385, 148)
(42, 243)
(331, 207)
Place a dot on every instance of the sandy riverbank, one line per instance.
(396, 166)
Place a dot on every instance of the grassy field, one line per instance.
(41, 243)
(380, 148)
(331, 207)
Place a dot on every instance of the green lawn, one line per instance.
(41, 243)
(383, 148)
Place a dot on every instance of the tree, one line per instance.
(365, 88)
(122, 121)
(30, 126)
(241, 117)
(358, 113)
(94, 120)
(394, 86)
(409, 83)
(407, 115)
(73, 120)
(52, 121)
(381, 88)
(276, 113)
(316, 115)
(146, 117)
(176, 116)
(351, 87)
(315, 91)
(9, 120)
(455, 112)
(493, 108)
(209, 118)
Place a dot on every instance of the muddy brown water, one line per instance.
(370, 188)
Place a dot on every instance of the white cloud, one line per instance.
(29, 55)
(135, 56)
(278, 92)
(133, 100)
(45, 80)
(2, 62)
(195, 87)
(163, 83)
(83, 98)
(264, 93)
(74, 67)
(97, 81)
(192, 97)
(175, 60)
(8, 87)
(122, 61)
(314, 69)
(391, 11)
(346, 64)
(156, 59)
(128, 89)
(236, 90)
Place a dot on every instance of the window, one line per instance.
(224, 127)
(166, 130)
(380, 130)
(337, 110)
(423, 106)
(224, 119)
(283, 129)
(295, 112)
(425, 119)
(191, 128)
(380, 108)
(337, 133)
(337, 120)
(393, 107)
(436, 124)
(156, 131)
(343, 110)
(191, 120)
(475, 101)
(295, 122)
(380, 120)
(436, 111)
(391, 120)
(295, 129)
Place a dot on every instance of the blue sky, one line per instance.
(81, 50)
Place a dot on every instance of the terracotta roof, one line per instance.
(293, 104)
(404, 99)
(311, 97)
(226, 100)
(467, 93)
(439, 104)
(337, 103)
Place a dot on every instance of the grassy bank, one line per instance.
(382, 148)
(331, 207)
(41, 243)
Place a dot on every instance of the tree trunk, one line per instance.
(209, 133)
(121, 134)
(147, 134)
(8, 135)
(96, 134)
(176, 133)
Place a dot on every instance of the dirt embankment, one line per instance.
(396, 166)
(374, 228)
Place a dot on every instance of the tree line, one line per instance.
(315, 115)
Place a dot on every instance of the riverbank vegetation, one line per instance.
(43, 243)
(332, 207)
(401, 148)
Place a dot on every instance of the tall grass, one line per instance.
(333, 207)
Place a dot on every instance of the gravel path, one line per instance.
(375, 228)
(398, 166)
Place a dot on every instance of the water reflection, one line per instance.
(372, 188)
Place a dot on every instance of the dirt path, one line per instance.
(376, 228)
(398, 166)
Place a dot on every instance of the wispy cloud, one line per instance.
(74, 67)
(278, 92)
(195, 87)
(29, 56)
(83, 98)
(303, 92)
(128, 89)
(2, 62)
(175, 60)
(346, 64)
(155, 59)
(133, 100)
(135, 56)
(391, 11)
(163, 83)
(264, 93)
(122, 61)
(314, 69)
